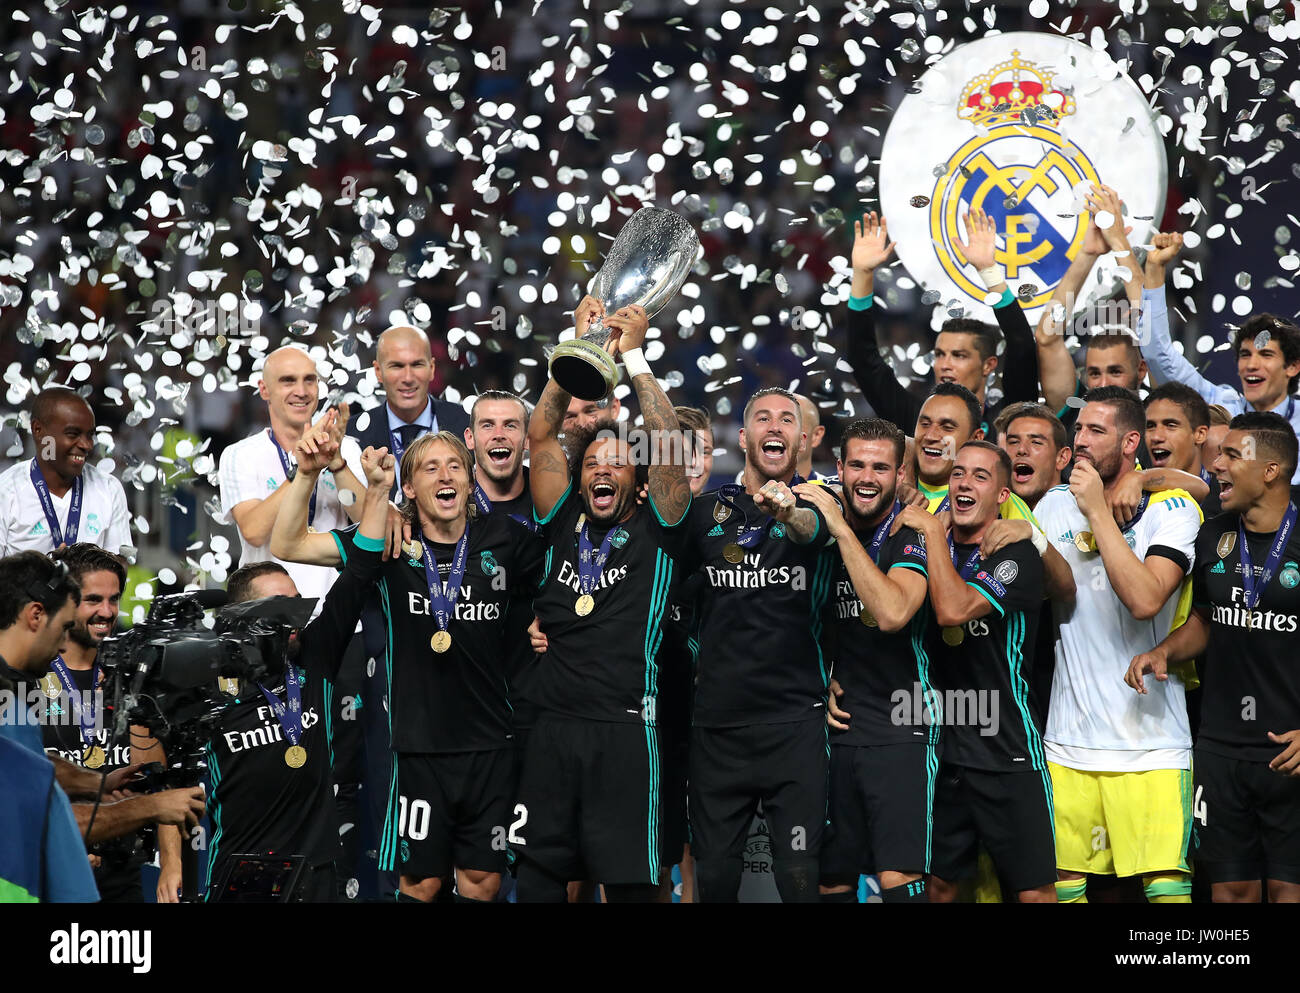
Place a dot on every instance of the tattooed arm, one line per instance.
(548, 470)
(670, 491)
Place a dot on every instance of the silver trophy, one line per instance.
(646, 265)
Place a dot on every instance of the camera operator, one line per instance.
(34, 633)
(36, 608)
(269, 761)
(78, 722)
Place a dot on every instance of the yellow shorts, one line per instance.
(1122, 823)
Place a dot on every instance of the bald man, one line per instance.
(57, 497)
(404, 367)
(252, 471)
(815, 431)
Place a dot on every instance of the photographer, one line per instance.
(36, 609)
(33, 577)
(269, 760)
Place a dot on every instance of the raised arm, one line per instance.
(670, 490)
(954, 600)
(1019, 359)
(1104, 200)
(1056, 371)
(344, 477)
(874, 376)
(548, 469)
(290, 539)
(1165, 361)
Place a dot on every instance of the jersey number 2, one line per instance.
(521, 818)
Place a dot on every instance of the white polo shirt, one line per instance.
(1095, 721)
(104, 518)
(251, 470)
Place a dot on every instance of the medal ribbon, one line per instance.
(749, 536)
(444, 604)
(878, 538)
(591, 563)
(47, 505)
(485, 507)
(290, 470)
(1252, 592)
(290, 716)
(85, 718)
(968, 566)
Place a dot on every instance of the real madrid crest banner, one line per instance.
(1019, 125)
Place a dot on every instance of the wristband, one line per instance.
(635, 364)
(1038, 540)
(992, 276)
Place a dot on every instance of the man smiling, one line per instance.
(1267, 350)
(57, 498)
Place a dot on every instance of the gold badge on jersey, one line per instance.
(230, 687)
(1227, 542)
(721, 512)
(51, 686)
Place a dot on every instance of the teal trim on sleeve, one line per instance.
(655, 507)
(554, 510)
(368, 544)
(1007, 298)
(986, 595)
(909, 565)
(861, 303)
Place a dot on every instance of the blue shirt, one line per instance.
(427, 420)
(43, 857)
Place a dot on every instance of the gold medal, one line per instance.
(868, 618)
(311, 530)
(230, 687)
(413, 549)
(295, 756)
(1083, 541)
(51, 685)
(585, 605)
(440, 642)
(954, 636)
(734, 554)
(93, 757)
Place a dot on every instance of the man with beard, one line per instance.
(1178, 422)
(1267, 349)
(449, 715)
(965, 351)
(1243, 623)
(994, 788)
(79, 722)
(590, 802)
(582, 415)
(759, 732)
(882, 772)
(1119, 763)
(56, 498)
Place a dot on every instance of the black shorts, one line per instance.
(732, 769)
(589, 801)
(881, 801)
(452, 810)
(1246, 820)
(1009, 813)
(675, 750)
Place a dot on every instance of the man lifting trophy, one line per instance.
(646, 266)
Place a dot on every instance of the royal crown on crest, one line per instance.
(1015, 91)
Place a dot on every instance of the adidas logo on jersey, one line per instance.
(1218, 568)
(39, 528)
(716, 532)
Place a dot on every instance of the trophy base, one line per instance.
(583, 370)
